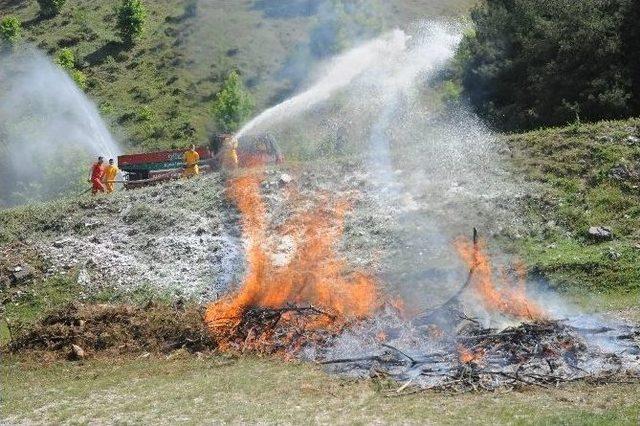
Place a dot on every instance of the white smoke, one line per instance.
(49, 130)
(438, 175)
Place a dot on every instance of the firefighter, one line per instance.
(110, 174)
(97, 174)
(230, 153)
(191, 158)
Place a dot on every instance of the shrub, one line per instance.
(232, 105)
(79, 78)
(51, 7)
(67, 60)
(532, 64)
(10, 30)
(131, 16)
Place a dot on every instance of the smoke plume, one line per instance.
(438, 174)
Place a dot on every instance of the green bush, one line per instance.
(232, 105)
(131, 16)
(539, 63)
(67, 60)
(79, 78)
(51, 7)
(10, 30)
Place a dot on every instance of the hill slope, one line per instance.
(158, 93)
(589, 177)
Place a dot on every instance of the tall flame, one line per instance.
(507, 298)
(315, 276)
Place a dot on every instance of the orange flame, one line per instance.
(507, 298)
(315, 276)
(467, 356)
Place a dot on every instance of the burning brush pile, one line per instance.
(541, 353)
(316, 308)
(278, 310)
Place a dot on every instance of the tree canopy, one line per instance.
(131, 16)
(535, 63)
(232, 105)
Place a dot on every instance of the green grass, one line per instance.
(27, 304)
(574, 168)
(194, 391)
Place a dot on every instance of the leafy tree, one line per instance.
(631, 38)
(66, 59)
(10, 30)
(536, 63)
(51, 7)
(232, 105)
(131, 16)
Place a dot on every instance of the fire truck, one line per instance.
(151, 168)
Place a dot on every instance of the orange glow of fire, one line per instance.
(467, 356)
(316, 274)
(507, 298)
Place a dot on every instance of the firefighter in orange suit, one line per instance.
(191, 158)
(97, 174)
(230, 153)
(110, 174)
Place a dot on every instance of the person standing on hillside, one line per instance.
(191, 158)
(230, 153)
(96, 177)
(110, 174)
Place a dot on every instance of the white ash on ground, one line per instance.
(183, 238)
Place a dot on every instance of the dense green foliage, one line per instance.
(10, 30)
(131, 15)
(631, 39)
(67, 60)
(530, 64)
(51, 7)
(232, 105)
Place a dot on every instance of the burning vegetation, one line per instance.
(506, 298)
(314, 301)
(280, 308)
(316, 307)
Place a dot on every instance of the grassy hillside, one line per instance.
(589, 176)
(159, 93)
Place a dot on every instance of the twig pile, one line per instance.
(540, 354)
(116, 329)
(283, 331)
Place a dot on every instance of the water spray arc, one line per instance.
(46, 122)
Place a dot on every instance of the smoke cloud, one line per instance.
(437, 174)
(49, 131)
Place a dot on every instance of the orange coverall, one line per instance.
(110, 174)
(191, 157)
(97, 174)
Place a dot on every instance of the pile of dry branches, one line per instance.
(116, 329)
(540, 354)
(282, 331)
